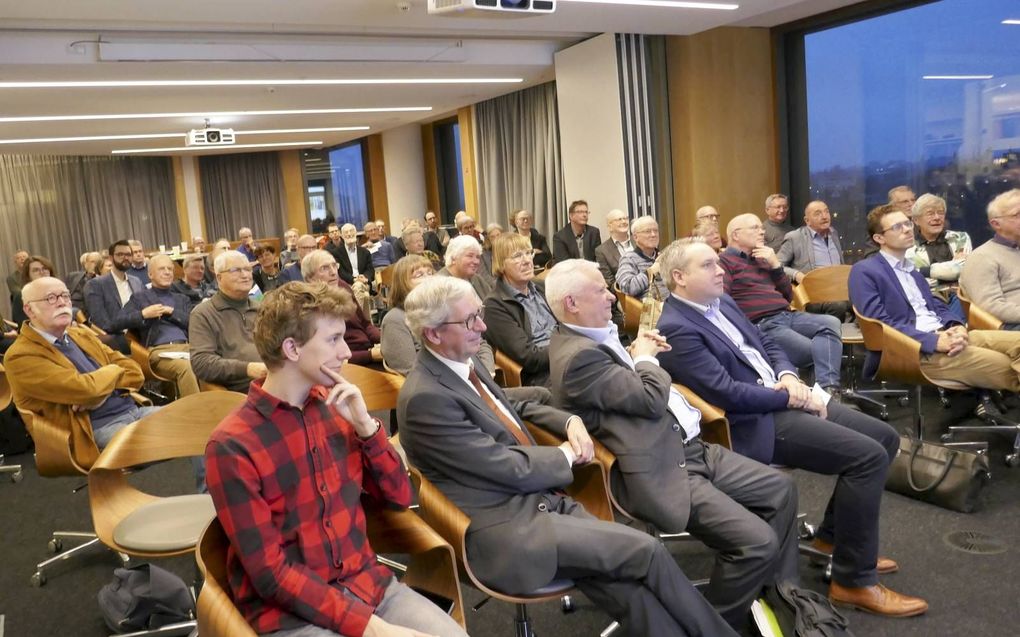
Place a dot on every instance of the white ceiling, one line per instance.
(75, 40)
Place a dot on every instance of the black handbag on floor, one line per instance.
(944, 476)
(145, 597)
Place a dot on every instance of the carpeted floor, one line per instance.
(969, 594)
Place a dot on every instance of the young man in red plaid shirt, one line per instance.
(286, 472)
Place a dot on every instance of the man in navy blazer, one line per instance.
(107, 294)
(887, 287)
(776, 419)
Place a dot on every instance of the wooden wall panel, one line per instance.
(466, 120)
(428, 152)
(722, 122)
(377, 179)
(294, 190)
(181, 200)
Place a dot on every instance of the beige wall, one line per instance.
(722, 122)
(405, 174)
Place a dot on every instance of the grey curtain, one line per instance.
(242, 190)
(62, 206)
(518, 154)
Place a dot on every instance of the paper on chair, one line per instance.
(181, 356)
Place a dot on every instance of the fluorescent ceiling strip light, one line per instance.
(177, 149)
(210, 114)
(105, 138)
(1011, 21)
(91, 138)
(255, 82)
(665, 4)
(957, 77)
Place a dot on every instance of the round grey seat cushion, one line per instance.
(168, 524)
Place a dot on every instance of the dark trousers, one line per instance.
(630, 575)
(858, 449)
(746, 512)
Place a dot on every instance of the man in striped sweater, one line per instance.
(756, 281)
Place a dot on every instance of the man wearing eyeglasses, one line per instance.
(992, 276)
(306, 244)
(887, 287)
(106, 295)
(68, 376)
(222, 348)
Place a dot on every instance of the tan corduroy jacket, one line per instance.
(45, 382)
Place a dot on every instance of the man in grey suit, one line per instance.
(463, 433)
(814, 245)
(608, 254)
(664, 474)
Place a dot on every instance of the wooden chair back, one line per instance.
(631, 308)
(826, 285)
(977, 317)
(205, 385)
(53, 455)
(715, 428)
(379, 389)
(5, 389)
(178, 430)
(386, 276)
(273, 241)
(510, 369)
(217, 614)
(140, 355)
(591, 481)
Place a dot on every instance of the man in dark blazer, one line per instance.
(576, 240)
(355, 262)
(776, 419)
(664, 474)
(463, 433)
(106, 295)
(887, 287)
(608, 254)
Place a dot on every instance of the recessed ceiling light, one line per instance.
(193, 149)
(257, 82)
(665, 4)
(957, 77)
(210, 114)
(110, 138)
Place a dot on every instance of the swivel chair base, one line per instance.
(14, 470)
(56, 545)
(996, 423)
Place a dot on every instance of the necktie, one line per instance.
(510, 425)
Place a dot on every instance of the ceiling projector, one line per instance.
(210, 137)
(491, 8)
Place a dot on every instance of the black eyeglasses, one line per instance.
(52, 298)
(468, 323)
(900, 227)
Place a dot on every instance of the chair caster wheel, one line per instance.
(948, 437)
(827, 576)
(567, 604)
(884, 415)
(38, 579)
(16, 477)
(1012, 460)
(807, 531)
(55, 545)
(903, 401)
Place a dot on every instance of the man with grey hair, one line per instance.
(992, 276)
(641, 264)
(289, 253)
(222, 348)
(777, 225)
(139, 264)
(306, 244)
(14, 281)
(938, 252)
(468, 438)
(193, 284)
(198, 243)
(381, 250)
(776, 419)
(76, 280)
(628, 403)
(903, 198)
(608, 254)
(247, 245)
(463, 259)
(159, 317)
(706, 212)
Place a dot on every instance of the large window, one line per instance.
(928, 96)
(336, 186)
(449, 170)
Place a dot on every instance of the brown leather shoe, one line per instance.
(885, 565)
(877, 599)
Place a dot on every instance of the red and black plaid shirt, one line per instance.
(287, 484)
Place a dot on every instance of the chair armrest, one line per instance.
(591, 481)
(511, 369)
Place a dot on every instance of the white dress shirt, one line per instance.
(927, 320)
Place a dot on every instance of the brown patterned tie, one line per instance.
(510, 425)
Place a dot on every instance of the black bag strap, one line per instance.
(917, 445)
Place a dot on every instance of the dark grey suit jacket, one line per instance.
(625, 409)
(456, 441)
(798, 255)
(565, 243)
(102, 301)
(608, 257)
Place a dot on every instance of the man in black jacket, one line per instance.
(576, 240)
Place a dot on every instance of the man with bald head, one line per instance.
(608, 254)
(706, 212)
(777, 226)
(158, 316)
(222, 347)
(68, 376)
(757, 282)
(815, 245)
(306, 244)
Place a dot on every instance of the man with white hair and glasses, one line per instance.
(992, 276)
